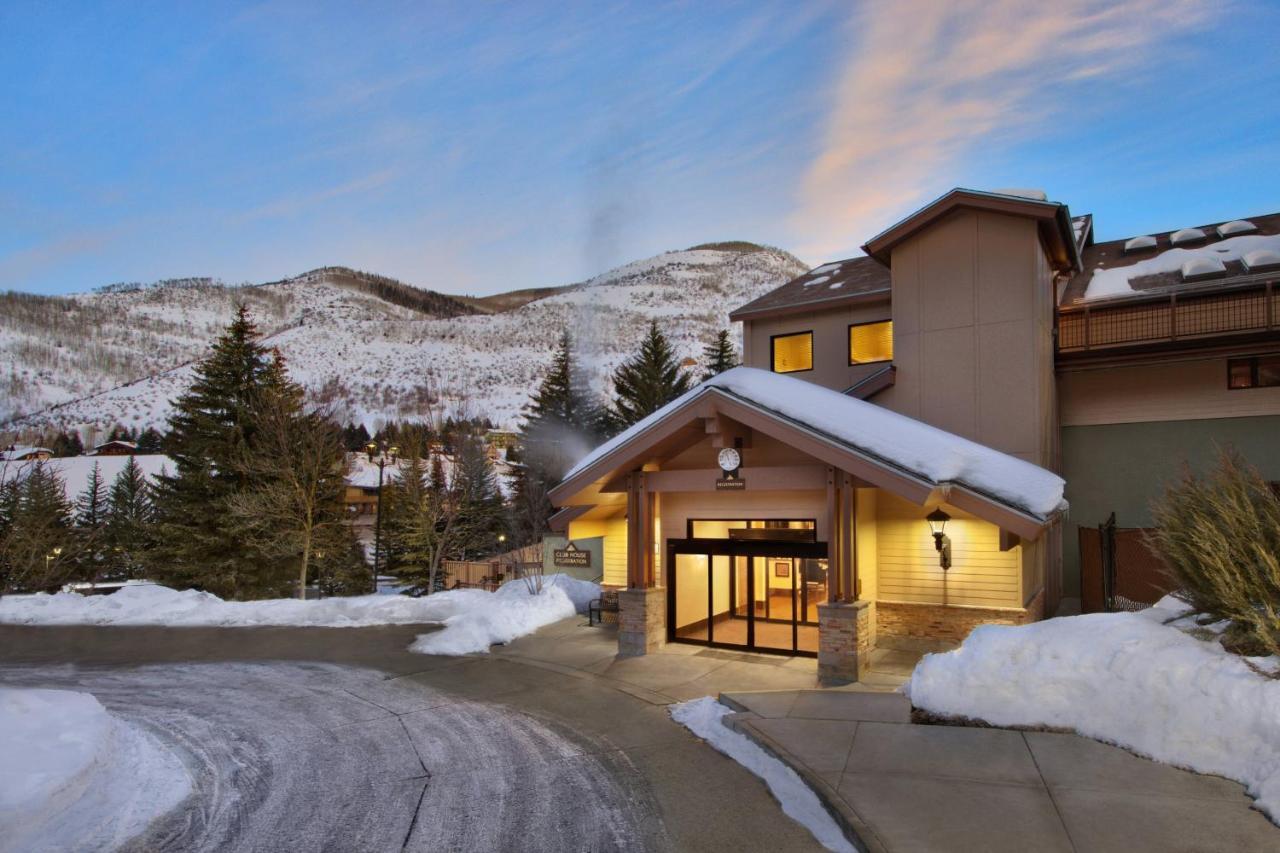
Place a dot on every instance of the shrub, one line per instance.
(1219, 534)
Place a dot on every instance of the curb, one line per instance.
(856, 830)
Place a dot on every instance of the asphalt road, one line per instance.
(338, 739)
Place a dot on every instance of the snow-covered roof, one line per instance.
(1134, 244)
(74, 471)
(21, 452)
(1119, 281)
(910, 446)
(1186, 235)
(1236, 226)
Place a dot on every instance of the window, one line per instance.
(870, 342)
(792, 353)
(1259, 371)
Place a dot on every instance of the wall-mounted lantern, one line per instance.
(941, 541)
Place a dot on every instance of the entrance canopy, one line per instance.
(879, 447)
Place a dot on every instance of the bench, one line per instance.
(597, 607)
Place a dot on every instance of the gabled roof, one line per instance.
(835, 283)
(1056, 229)
(882, 447)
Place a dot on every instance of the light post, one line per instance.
(319, 555)
(379, 455)
(52, 555)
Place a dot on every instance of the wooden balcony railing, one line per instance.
(1218, 310)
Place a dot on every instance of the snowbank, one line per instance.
(75, 777)
(473, 618)
(1125, 678)
(704, 717)
(928, 452)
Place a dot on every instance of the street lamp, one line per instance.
(55, 553)
(380, 455)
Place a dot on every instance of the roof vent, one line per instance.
(1186, 235)
(1236, 226)
(1021, 192)
(818, 279)
(1137, 244)
(1262, 259)
(1201, 267)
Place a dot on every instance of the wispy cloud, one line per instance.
(928, 83)
(16, 267)
(294, 204)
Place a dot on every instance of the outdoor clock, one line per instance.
(729, 460)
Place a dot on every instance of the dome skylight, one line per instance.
(1236, 226)
(1202, 266)
(1186, 235)
(1137, 244)
(1262, 259)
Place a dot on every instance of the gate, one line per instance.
(1118, 569)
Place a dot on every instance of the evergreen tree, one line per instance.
(37, 544)
(150, 441)
(480, 504)
(211, 430)
(355, 438)
(648, 381)
(67, 444)
(562, 423)
(91, 505)
(127, 533)
(719, 355)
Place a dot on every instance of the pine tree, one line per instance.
(355, 438)
(67, 444)
(39, 545)
(561, 424)
(719, 355)
(91, 505)
(150, 441)
(127, 533)
(211, 430)
(480, 505)
(648, 381)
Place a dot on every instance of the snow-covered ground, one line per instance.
(472, 619)
(75, 777)
(1137, 680)
(705, 718)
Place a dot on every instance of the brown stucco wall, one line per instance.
(831, 368)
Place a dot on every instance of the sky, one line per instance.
(480, 147)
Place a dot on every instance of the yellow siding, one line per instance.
(907, 565)
(614, 531)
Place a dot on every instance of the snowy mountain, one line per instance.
(371, 348)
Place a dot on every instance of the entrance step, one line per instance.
(823, 705)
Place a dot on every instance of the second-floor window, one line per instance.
(870, 342)
(792, 353)
(1259, 371)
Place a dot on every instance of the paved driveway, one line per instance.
(338, 739)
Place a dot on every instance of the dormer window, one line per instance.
(871, 342)
(792, 353)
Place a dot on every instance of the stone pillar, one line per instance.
(642, 620)
(844, 641)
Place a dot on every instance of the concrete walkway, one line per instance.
(897, 786)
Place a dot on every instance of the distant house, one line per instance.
(17, 453)
(115, 447)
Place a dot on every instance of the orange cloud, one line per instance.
(929, 81)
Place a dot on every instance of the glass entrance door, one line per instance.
(746, 594)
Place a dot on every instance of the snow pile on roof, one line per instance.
(1115, 281)
(19, 451)
(473, 618)
(705, 718)
(927, 452)
(1023, 192)
(1124, 678)
(74, 777)
(1235, 226)
(1262, 259)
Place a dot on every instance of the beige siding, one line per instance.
(830, 328)
(907, 565)
(973, 320)
(1169, 391)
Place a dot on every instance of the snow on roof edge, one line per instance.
(914, 447)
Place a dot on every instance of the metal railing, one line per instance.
(1246, 305)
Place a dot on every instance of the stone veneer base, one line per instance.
(844, 641)
(896, 619)
(642, 620)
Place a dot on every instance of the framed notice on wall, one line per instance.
(782, 569)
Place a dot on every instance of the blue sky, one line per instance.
(479, 147)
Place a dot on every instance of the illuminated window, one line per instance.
(870, 342)
(1259, 371)
(792, 353)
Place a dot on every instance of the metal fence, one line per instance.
(1118, 569)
